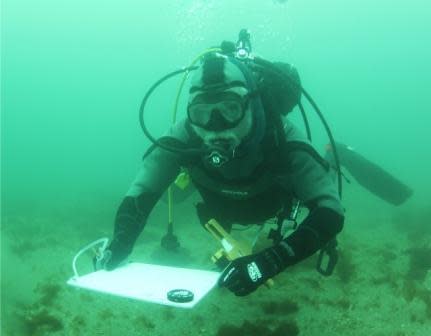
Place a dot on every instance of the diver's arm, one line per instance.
(129, 223)
(159, 169)
(318, 229)
(312, 184)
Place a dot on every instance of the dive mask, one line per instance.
(217, 112)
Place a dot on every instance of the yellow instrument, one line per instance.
(231, 248)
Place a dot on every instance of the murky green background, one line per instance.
(73, 74)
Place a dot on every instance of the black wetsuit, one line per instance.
(245, 190)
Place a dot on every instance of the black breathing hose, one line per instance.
(175, 145)
(270, 67)
(331, 139)
(306, 124)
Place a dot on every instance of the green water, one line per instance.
(73, 74)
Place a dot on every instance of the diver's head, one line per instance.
(219, 104)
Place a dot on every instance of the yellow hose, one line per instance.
(174, 118)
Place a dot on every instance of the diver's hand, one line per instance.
(244, 275)
(111, 257)
(101, 259)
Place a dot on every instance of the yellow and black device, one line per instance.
(231, 248)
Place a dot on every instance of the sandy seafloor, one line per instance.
(381, 286)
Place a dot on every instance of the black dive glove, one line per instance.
(129, 222)
(112, 256)
(244, 275)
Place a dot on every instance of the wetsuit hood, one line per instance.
(217, 73)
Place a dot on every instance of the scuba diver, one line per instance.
(248, 162)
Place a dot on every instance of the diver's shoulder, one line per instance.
(292, 132)
(298, 148)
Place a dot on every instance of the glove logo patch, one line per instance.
(227, 276)
(254, 272)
